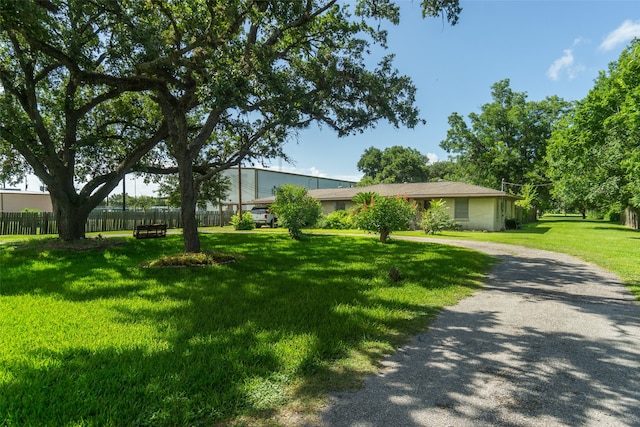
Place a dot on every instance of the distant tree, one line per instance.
(142, 202)
(594, 154)
(394, 165)
(443, 170)
(366, 181)
(529, 194)
(506, 140)
(168, 188)
(370, 163)
(295, 209)
(214, 190)
(384, 215)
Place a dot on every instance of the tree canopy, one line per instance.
(91, 88)
(394, 165)
(594, 155)
(399, 164)
(64, 109)
(506, 141)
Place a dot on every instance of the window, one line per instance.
(461, 209)
(340, 206)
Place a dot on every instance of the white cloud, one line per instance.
(314, 171)
(621, 35)
(432, 158)
(565, 65)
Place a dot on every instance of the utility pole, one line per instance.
(239, 189)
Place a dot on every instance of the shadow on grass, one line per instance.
(619, 229)
(224, 341)
(533, 228)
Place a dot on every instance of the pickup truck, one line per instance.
(263, 216)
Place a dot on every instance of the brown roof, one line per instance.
(413, 190)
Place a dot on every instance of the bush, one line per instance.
(613, 216)
(435, 219)
(338, 220)
(244, 222)
(384, 215)
(296, 209)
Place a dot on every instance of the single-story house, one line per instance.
(473, 207)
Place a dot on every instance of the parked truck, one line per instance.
(263, 216)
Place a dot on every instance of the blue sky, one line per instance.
(545, 48)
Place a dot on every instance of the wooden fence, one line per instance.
(631, 218)
(45, 223)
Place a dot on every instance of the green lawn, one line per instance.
(611, 246)
(90, 338)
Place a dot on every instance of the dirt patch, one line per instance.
(185, 260)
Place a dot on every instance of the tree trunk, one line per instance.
(189, 195)
(384, 234)
(71, 218)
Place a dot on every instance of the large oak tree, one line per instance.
(229, 80)
(65, 111)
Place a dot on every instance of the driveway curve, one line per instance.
(550, 340)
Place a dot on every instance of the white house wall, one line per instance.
(330, 206)
(482, 214)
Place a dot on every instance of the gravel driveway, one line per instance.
(549, 341)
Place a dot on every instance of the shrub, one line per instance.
(435, 219)
(384, 215)
(296, 209)
(338, 220)
(244, 222)
(511, 223)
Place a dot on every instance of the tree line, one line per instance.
(578, 156)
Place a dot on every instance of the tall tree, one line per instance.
(79, 128)
(394, 165)
(231, 80)
(507, 140)
(594, 156)
(236, 80)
